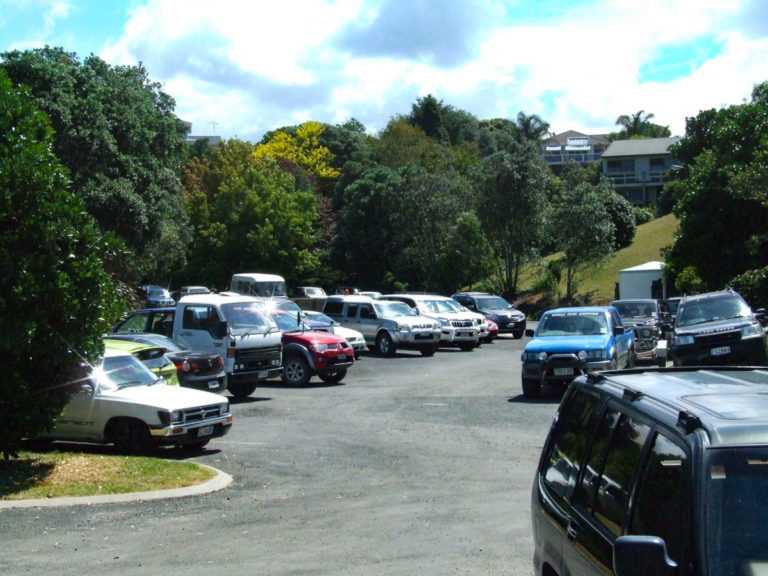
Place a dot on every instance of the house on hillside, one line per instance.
(571, 145)
(638, 168)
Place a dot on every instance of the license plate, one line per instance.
(204, 431)
(563, 371)
(263, 373)
(720, 351)
(342, 356)
(213, 384)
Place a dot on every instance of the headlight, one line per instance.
(594, 354)
(683, 339)
(170, 416)
(751, 330)
(319, 347)
(444, 322)
(534, 356)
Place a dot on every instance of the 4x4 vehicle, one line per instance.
(655, 472)
(307, 352)
(458, 327)
(573, 341)
(385, 325)
(121, 401)
(508, 318)
(152, 296)
(650, 319)
(718, 328)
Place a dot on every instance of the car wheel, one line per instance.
(334, 376)
(296, 371)
(241, 390)
(429, 350)
(384, 344)
(467, 346)
(518, 335)
(531, 388)
(131, 436)
(661, 362)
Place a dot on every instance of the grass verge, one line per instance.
(55, 474)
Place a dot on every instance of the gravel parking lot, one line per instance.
(411, 465)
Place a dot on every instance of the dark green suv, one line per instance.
(656, 471)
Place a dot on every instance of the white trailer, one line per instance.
(639, 281)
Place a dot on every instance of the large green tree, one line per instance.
(55, 297)
(722, 204)
(511, 190)
(116, 132)
(639, 125)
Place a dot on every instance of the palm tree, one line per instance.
(531, 127)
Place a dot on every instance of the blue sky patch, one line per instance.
(674, 61)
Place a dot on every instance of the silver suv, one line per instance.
(458, 326)
(385, 325)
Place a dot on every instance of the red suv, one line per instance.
(309, 352)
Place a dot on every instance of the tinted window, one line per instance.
(135, 323)
(569, 443)
(662, 503)
(352, 311)
(333, 308)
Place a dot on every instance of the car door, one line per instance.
(622, 340)
(79, 418)
(368, 322)
(194, 334)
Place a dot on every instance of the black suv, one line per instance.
(718, 328)
(651, 321)
(507, 317)
(656, 471)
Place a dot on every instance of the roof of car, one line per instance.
(218, 298)
(579, 309)
(729, 403)
(130, 346)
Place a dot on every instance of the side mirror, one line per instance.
(222, 330)
(642, 556)
(529, 332)
(84, 389)
(619, 330)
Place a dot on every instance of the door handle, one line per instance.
(572, 530)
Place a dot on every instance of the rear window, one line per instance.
(333, 308)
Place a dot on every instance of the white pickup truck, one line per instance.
(121, 401)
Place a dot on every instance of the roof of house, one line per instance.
(563, 137)
(640, 147)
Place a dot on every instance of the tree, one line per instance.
(722, 204)
(584, 231)
(401, 143)
(426, 113)
(511, 190)
(531, 127)
(304, 149)
(116, 132)
(639, 125)
(247, 216)
(55, 297)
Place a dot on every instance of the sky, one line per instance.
(240, 68)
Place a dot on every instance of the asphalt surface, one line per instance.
(411, 465)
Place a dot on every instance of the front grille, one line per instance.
(718, 338)
(258, 358)
(202, 413)
(461, 323)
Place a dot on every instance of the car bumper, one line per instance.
(453, 335)
(747, 352)
(513, 326)
(562, 368)
(216, 383)
(190, 433)
(416, 339)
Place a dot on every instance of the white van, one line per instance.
(256, 284)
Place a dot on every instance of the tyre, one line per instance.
(384, 344)
(661, 362)
(241, 390)
(518, 335)
(429, 350)
(296, 371)
(531, 388)
(334, 376)
(131, 436)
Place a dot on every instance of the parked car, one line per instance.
(152, 296)
(493, 331)
(569, 342)
(355, 338)
(308, 352)
(187, 290)
(655, 472)
(194, 368)
(718, 328)
(386, 326)
(307, 292)
(651, 321)
(285, 305)
(121, 401)
(457, 327)
(508, 318)
(155, 320)
(152, 355)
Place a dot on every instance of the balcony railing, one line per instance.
(581, 158)
(627, 178)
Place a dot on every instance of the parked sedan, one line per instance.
(194, 369)
(152, 356)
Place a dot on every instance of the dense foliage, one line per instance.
(55, 297)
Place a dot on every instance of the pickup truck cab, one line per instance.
(569, 342)
(240, 328)
(386, 326)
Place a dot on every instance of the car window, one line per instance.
(334, 308)
(134, 323)
(569, 443)
(662, 502)
(352, 311)
(607, 482)
(162, 323)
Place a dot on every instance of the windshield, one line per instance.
(436, 307)
(572, 324)
(393, 309)
(248, 317)
(455, 306)
(736, 509)
(118, 372)
(158, 293)
(710, 310)
(492, 302)
(631, 309)
(288, 322)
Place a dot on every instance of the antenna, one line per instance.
(214, 124)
